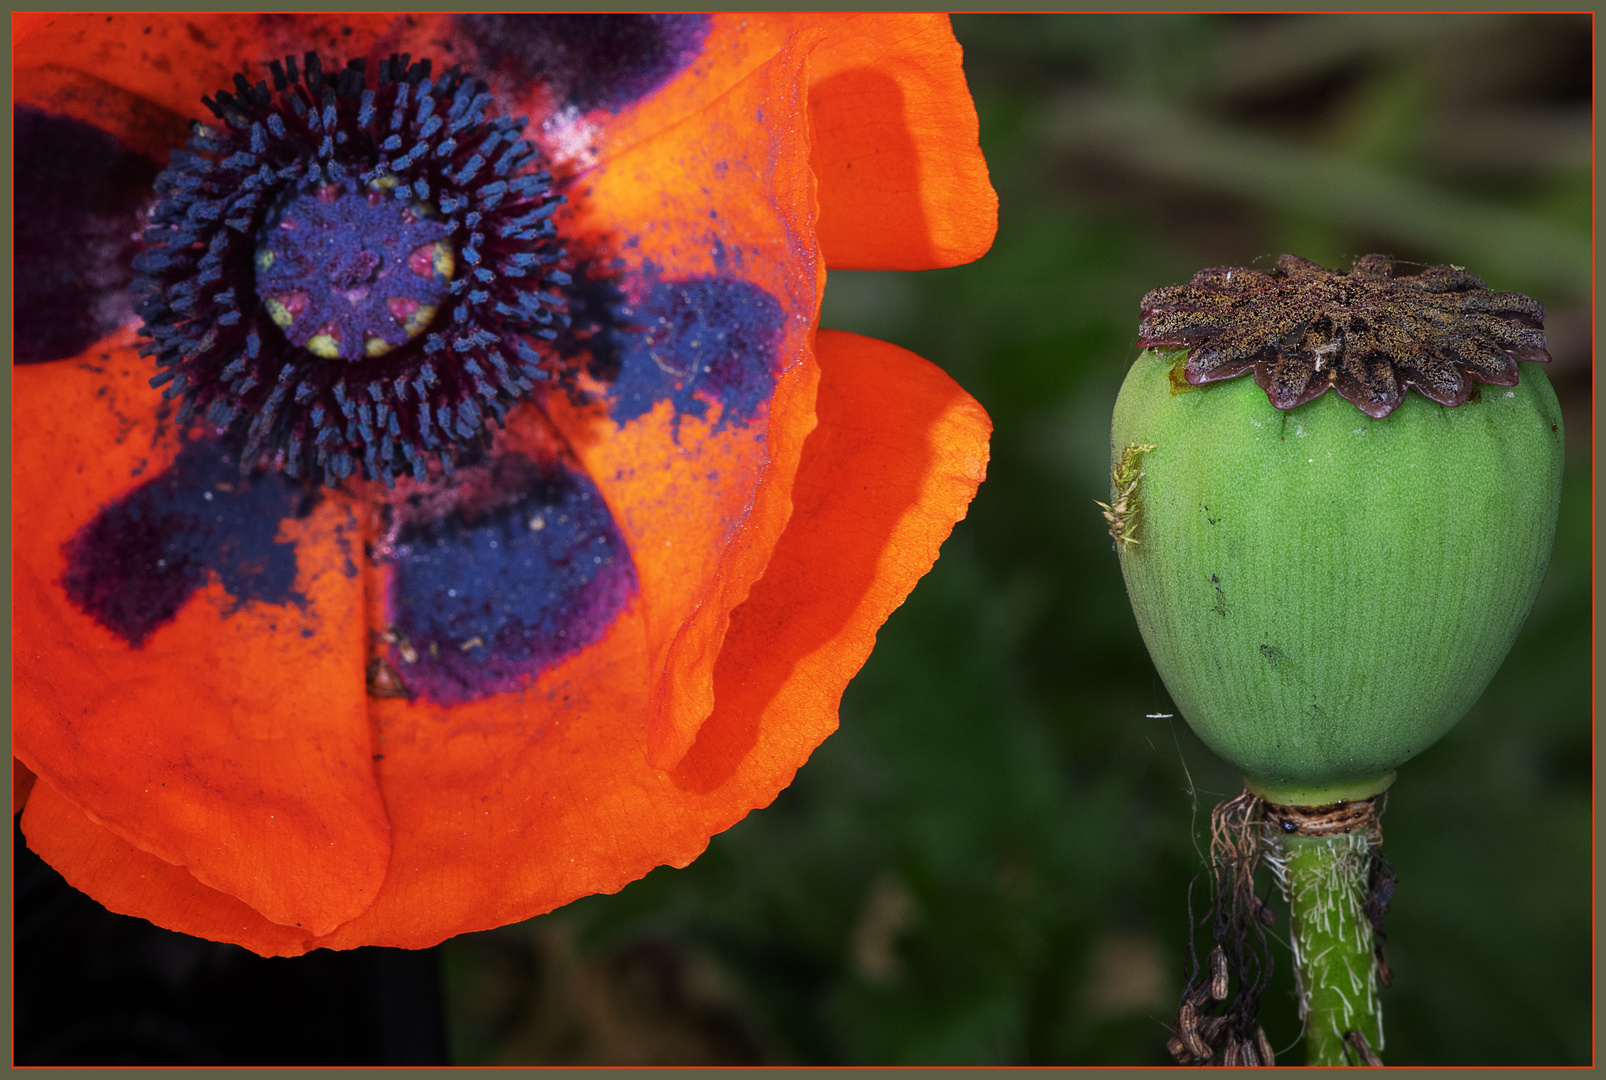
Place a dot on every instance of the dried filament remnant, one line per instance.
(1369, 333)
(1218, 1017)
(1123, 513)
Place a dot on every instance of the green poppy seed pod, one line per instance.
(1327, 581)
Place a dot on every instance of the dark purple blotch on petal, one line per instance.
(590, 61)
(77, 201)
(697, 341)
(486, 598)
(135, 564)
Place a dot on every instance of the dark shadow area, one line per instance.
(94, 988)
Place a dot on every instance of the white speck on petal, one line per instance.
(570, 139)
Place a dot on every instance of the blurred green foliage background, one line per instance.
(991, 861)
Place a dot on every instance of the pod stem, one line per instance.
(1324, 860)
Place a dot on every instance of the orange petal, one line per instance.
(142, 76)
(234, 740)
(22, 779)
(903, 185)
(97, 861)
(894, 463)
(701, 499)
(512, 806)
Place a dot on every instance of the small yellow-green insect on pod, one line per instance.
(1326, 582)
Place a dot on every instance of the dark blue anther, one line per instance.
(509, 156)
(398, 113)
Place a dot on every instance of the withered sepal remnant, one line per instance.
(1370, 333)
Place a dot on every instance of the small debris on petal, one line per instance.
(383, 681)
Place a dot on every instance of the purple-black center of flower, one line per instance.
(346, 272)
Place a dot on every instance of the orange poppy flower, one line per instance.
(559, 572)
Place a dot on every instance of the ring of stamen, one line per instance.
(347, 274)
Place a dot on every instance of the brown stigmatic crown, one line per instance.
(1369, 333)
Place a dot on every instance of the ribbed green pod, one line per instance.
(1326, 594)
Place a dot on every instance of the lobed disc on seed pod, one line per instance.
(1326, 593)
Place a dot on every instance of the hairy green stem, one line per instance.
(1325, 880)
